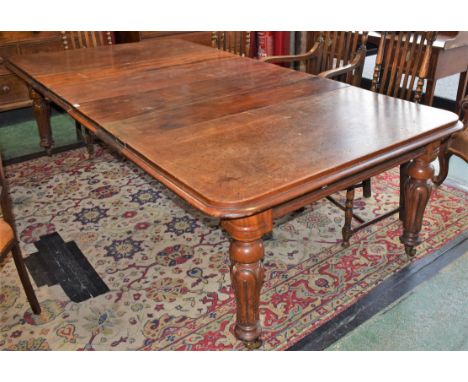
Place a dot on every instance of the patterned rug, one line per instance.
(167, 266)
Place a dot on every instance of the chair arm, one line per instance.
(294, 57)
(290, 58)
(332, 73)
(357, 61)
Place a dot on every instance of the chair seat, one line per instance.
(459, 144)
(6, 235)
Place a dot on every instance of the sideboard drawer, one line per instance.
(6, 37)
(203, 38)
(6, 51)
(49, 45)
(12, 89)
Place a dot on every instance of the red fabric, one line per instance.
(281, 42)
(265, 44)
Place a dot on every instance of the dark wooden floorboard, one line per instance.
(94, 284)
(57, 262)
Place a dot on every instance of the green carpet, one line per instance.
(431, 317)
(19, 135)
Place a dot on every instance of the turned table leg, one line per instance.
(89, 141)
(247, 274)
(41, 110)
(417, 190)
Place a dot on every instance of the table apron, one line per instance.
(342, 184)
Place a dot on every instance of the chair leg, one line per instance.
(79, 131)
(346, 230)
(89, 141)
(403, 178)
(366, 188)
(444, 159)
(23, 274)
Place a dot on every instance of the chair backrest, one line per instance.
(233, 42)
(402, 64)
(5, 201)
(77, 40)
(337, 49)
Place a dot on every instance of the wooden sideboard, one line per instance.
(13, 91)
(203, 38)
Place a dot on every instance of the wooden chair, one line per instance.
(9, 242)
(335, 55)
(457, 145)
(233, 42)
(401, 70)
(80, 40)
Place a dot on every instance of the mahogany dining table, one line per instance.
(241, 140)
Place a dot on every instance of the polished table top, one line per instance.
(231, 135)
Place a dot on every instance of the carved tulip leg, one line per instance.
(417, 191)
(247, 274)
(41, 110)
